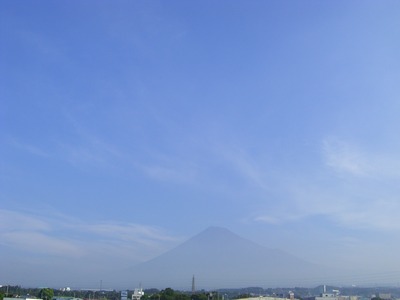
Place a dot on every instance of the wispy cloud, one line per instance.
(344, 157)
(26, 232)
(364, 205)
(15, 221)
(278, 217)
(91, 150)
(41, 234)
(268, 219)
(130, 234)
(349, 158)
(177, 174)
(87, 148)
(376, 214)
(29, 148)
(353, 188)
(245, 166)
(41, 243)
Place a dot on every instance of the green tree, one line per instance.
(201, 296)
(181, 296)
(241, 296)
(155, 296)
(167, 294)
(46, 294)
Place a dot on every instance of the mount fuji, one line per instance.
(218, 258)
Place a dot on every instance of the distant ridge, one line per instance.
(218, 258)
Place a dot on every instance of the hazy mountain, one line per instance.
(219, 258)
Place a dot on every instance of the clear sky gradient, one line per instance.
(128, 126)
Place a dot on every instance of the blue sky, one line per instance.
(127, 127)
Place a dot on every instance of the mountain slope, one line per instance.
(219, 258)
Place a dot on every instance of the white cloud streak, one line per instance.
(367, 198)
(15, 221)
(350, 159)
(41, 243)
(61, 237)
(244, 166)
(183, 174)
(353, 188)
(31, 149)
(344, 157)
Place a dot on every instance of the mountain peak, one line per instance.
(218, 237)
(216, 228)
(215, 231)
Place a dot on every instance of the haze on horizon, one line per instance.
(127, 127)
